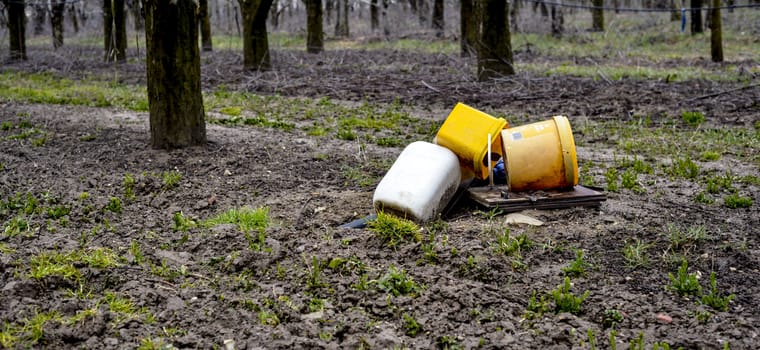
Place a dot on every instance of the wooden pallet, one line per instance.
(500, 197)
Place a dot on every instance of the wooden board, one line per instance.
(499, 197)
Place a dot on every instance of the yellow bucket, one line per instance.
(465, 132)
(540, 156)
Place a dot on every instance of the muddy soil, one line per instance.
(206, 287)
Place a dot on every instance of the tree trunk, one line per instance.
(413, 6)
(135, 8)
(374, 15)
(120, 31)
(422, 11)
(468, 27)
(71, 10)
(274, 15)
(205, 20)
(716, 35)
(675, 15)
(40, 16)
(16, 28)
(597, 16)
(328, 10)
(696, 17)
(341, 19)
(174, 74)
(495, 48)
(58, 8)
(108, 41)
(315, 42)
(514, 11)
(558, 22)
(438, 24)
(255, 41)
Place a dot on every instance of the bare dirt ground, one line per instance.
(199, 288)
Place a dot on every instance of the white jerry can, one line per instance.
(420, 183)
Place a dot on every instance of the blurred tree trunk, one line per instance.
(135, 8)
(438, 24)
(16, 28)
(274, 15)
(57, 8)
(468, 27)
(341, 19)
(71, 10)
(328, 10)
(422, 11)
(558, 22)
(174, 74)
(255, 40)
(716, 32)
(108, 41)
(205, 19)
(495, 48)
(413, 6)
(675, 15)
(374, 16)
(696, 17)
(315, 42)
(597, 16)
(514, 12)
(120, 30)
(40, 16)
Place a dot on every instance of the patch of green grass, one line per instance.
(114, 205)
(40, 141)
(611, 318)
(714, 299)
(685, 283)
(50, 88)
(396, 282)
(692, 118)
(565, 300)
(346, 134)
(129, 186)
(684, 168)
(234, 111)
(511, 246)
(684, 238)
(393, 230)
(182, 223)
(58, 211)
(537, 307)
(268, 318)
(171, 179)
(612, 179)
(17, 225)
(735, 201)
(709, 156)
(52, 264)
(247, 219)
(636, 254)
(577, 267)
(5, 126)
(411, 326)
(389, 141)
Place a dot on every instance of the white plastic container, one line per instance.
(420, 183)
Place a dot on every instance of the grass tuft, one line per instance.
(393, 230)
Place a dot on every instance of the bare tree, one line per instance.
(174, 74)
(341, 19)
(468, 27)
(120, 31)
(696, 17)
(205, 22)
(314, 36)
(16, 28)
(374, 15)
(108, 42)
(438, 24)
(255, 41)
(716, 35)
(495, 48)
(57, 8)
(40, 16)
(558, 21)
(597, 16)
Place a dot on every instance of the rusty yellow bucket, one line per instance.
(540, 156)
(465, 132)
